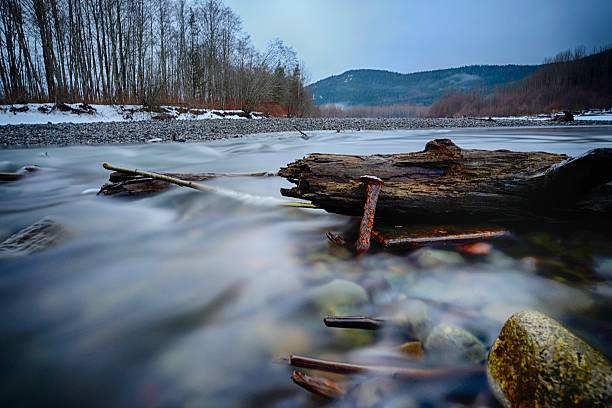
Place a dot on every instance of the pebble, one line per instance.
(428, 258)
(536, 362)
(453, 344)
(413, 349)
(414, 317)
(338, 297)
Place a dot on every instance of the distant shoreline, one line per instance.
(66, 134)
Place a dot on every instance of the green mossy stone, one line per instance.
(536, 362)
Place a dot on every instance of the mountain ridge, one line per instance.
(376, 87)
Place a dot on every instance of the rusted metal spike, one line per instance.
(373, 186)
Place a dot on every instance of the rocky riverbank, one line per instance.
(18, 136)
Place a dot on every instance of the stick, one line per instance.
(320, 386)
(121, 176)
(202, 187)
(304, 135)
(354, 322)
(401, 372)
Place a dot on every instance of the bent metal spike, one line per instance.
(373, 186)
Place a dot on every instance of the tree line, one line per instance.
(143, 51)
(572, 80)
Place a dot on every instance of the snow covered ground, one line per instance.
(598, 116)
(595, 114)
(41, 113)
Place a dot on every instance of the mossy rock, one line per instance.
(536, 362)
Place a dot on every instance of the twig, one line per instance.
(320, 386)
(354, 322)
(336, 238)
(304, 135)
(271, 201)
(401, 372)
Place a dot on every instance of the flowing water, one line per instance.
(187, 298)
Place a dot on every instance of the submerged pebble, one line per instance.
(413, 316)
(454, 344)
(536, 362)
(36, 237)
(338, 297)
(432, 258)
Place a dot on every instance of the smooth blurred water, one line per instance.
(187, 298)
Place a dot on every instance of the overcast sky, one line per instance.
(332, 36)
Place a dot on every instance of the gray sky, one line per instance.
(332, 36)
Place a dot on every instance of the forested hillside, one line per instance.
(572, 80)
(142, 51)
(378, 88)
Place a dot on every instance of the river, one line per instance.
(187, 298)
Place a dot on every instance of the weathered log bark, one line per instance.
(447, 182)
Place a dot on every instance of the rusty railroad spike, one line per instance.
(373, 185)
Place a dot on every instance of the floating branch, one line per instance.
(264, 201)
(400, 372)
(354, 322)
(399, 237)
(321, 386)
(304, 135)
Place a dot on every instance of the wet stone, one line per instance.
(413, 349)
(36, 237)
(413, 316)
(536, 362)
(375, 392)
(453, 344)
(338, 297)
(427, 258)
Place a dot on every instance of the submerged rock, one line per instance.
(377, 392)
(413, 315)
(536, 362)
(338, 297)
(413, 349)
(38, 236)
(428, 258)
(454, 344)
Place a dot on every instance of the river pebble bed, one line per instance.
(185, 298)
(63, 134)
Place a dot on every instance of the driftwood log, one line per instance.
(447, 182)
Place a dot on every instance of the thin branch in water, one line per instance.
(304, 135)
(354, 322)
(321, 386)
(400, 372)
(258, 200)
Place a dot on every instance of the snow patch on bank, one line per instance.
(593, 114)
(43, 113)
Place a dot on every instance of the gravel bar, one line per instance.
(64, 134)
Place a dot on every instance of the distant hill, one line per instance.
(368, 87)
(572, 80)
